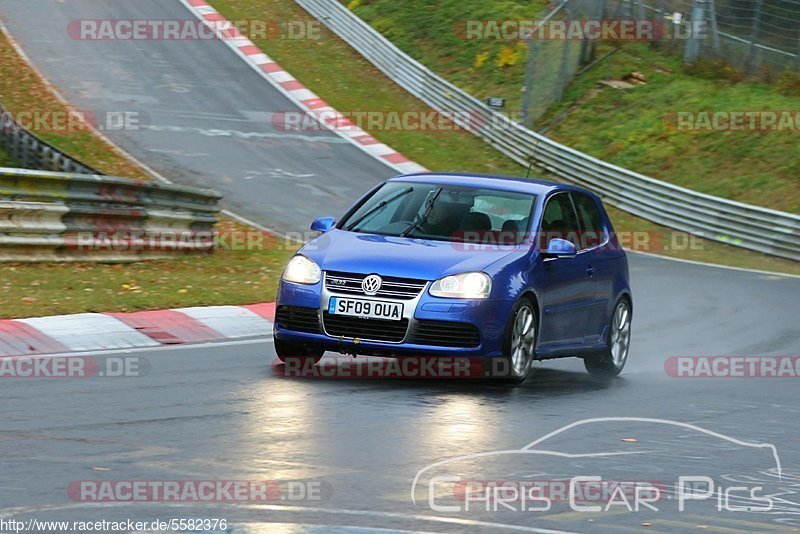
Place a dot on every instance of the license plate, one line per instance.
(366, 309)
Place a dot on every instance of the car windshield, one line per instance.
(443, 213)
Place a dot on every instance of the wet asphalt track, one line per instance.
(223, 412)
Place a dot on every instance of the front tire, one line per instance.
(296, 353)
(519, 349)
(611, 361)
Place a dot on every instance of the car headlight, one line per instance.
(301, 270)
(462, 286)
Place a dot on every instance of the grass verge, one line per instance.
(437, 38)
(626, 127)
(636, 128)
(36, 289)
(337, 73)
(22, 90)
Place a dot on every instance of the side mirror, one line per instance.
(323, 224)
(560, 248)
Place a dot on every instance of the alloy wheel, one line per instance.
(523, 339)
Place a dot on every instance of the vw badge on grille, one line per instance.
(371, 284)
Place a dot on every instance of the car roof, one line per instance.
(488, 181)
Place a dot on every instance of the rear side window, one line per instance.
(559, 221)
(591, 219)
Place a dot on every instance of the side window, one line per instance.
(592, 231)
(559, 221)
(501, 210)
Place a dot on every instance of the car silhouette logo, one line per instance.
(371, 284)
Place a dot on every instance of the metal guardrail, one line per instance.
(31, 152)
(764, 230)
(53, 216)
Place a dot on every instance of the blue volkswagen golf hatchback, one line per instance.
(455, 265)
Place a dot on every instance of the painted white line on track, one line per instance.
(713, 265)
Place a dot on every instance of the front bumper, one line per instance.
(489, 316)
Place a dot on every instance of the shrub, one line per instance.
(714, 70)
(480, 59)
(507, 57)
(789, 82)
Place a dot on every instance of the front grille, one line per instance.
(366, 329)
(297, 319)
(392, 288)
(445, 334)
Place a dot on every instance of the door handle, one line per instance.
(590, 271)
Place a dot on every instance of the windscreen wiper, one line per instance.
(424, 216)
(379, 207)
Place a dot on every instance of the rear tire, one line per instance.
(297, 353)
(610, 362)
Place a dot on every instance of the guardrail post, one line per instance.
(640, 10)
(692, 48)
(751, 55)
(562, 69)
(22, 150)
(797, 57)
(589, 47)
(627, 9)
(530, 66)
(714, 26)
